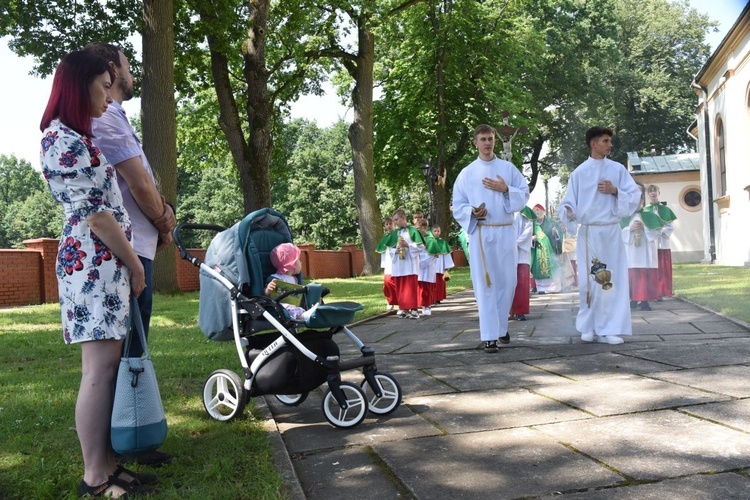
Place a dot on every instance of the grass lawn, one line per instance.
(40, 456)
(720, 288)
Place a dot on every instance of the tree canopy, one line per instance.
(27, 210)
(556, 67)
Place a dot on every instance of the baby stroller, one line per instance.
(279, 356)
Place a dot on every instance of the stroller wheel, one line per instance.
(356, 406)
(224, 396)
(292, 399)
(390, 391)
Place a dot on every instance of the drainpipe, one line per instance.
(709, 173)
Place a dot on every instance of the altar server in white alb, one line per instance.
(600, 192)
(640, 233)
(486, 194)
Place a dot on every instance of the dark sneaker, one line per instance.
(633, 304)
(505, 339)
(521, 317)
(490, 346)
(644, 306)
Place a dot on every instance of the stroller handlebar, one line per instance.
(176, 235)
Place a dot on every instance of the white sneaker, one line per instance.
(609, 339)
(389, 307)
(587, 337)
(426, 311)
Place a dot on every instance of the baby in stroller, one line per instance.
(286, 259)
(298, 355)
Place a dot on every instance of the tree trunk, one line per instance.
(251, 157)
(360, 138)
(257, 189)
(158, 118)
(536, 151)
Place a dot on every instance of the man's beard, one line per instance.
(127, 92)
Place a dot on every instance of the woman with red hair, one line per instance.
(97, 269)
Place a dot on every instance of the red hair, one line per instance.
(69, 100)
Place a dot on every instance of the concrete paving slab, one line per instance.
(729, 380)
(577, 347)
(344, 473)
(515, 463)
(719, 327)
(486, 377)
(307, 430)
(598, 365)
(704, 337)
(469, 429)
(735, 414)
(491, 410)
(683, 316)
(418, 361)
(504, 355)
(664, 328)
(414, 383)
(720, 352)
(656, 445)
(542, 340)
(702, 487)
(624, 394)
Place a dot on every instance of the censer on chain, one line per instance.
(601, 274)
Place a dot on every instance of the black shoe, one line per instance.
(633, 304)
(645, 306)
(541, 293)
(521, 317)
(660, 299)
(103, 490)
(141, 478)
(490, 346)
(505, 339)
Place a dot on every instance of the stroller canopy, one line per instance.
(242, 252)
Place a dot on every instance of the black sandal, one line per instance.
(141, 479)
(102, 490)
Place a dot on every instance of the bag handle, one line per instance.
(135, 318)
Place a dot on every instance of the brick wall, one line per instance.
(459, 258)
(47, 249)
(28, 276)
(20, 278)
(187, 274)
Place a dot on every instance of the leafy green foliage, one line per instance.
(208, 184)
(27, 210)
(314, 187)
(48, 30)
(639, 81)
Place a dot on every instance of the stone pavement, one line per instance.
(664, 415)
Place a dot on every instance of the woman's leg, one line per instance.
(100, 360)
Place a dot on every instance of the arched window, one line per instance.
(721, 188)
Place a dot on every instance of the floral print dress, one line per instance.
(94, 284)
